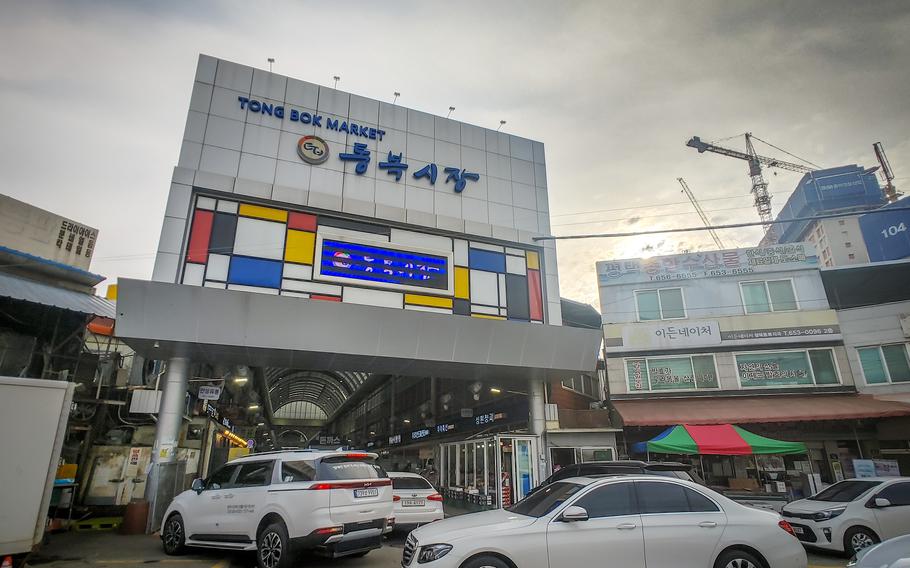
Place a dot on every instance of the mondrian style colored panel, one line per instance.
(533, 260)
(487, 260)
(462, 283)
(267, 213)
(299, 247)
(255, 272)
(535, 295)
(200, 234)
(429, 301)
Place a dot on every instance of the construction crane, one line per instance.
(891, 192)
(759, 185)
(698, 209)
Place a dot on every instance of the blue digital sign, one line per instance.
(382, 264)
(887, 233)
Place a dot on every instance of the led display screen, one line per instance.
(383, 265)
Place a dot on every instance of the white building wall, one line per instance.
(873, 326)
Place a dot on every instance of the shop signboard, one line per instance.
(216, 415)
(887, 468)
(774, 369)
(671, 373)
(863, 468)
(209, 392)
(694, 333)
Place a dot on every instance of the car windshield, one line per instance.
(546, 499)
(844, 491)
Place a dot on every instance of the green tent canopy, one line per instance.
(717, 439)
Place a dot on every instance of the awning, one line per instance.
(46, 295)
(718, 439)
(756, 409)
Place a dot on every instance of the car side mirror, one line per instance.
(198, 485)
(881, 502)
(573, 514)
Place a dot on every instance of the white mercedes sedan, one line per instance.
(628, 522)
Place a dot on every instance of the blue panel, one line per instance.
(255, 272)
(387, 264)
(887, 235)
(486, 260)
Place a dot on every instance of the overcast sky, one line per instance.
(93, 99)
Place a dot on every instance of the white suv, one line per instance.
(337, 503)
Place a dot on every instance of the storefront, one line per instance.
(489, 472)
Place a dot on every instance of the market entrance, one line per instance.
(488, 473)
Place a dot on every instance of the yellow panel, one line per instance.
(260, 212)
(485, 316)
(431, 301)
(111, 292)
(533, 260)
(462, 283)
(299, 247)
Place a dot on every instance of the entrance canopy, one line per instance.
(717, 439)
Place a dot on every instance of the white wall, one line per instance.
(872, 326)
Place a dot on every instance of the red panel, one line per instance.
(326, 298)
(719, 439)
(534, 295)
(301, 221)
(198, 250)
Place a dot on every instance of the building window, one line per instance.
(787, 368)
(848, 244)
(582, 385)
(663, 304)
(563, 457)
(671, 373)
(885, 363)
(766, 296)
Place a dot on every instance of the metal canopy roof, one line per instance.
(46, 295)
(326, 389)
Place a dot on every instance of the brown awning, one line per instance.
(756, 409)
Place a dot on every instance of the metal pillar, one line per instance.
(538, 423)
(167, 434)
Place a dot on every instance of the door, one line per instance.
(245, 499)
(208, 509)
(523, 467)
(517, 462)
(612, 534)
(681, 526)
(894, 520)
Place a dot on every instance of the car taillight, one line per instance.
(786, 526)
(7, 562)
(396, 498)
(350, 484)
(358, 456)
(329, 530)
(435, 497)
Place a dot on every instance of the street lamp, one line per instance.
(337, 78)
(271, 60)
(501, 124)
(451, 110)
(397, 94)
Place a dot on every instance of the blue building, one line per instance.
(887, 232)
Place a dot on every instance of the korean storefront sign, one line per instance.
(774, 369)
(216, 415)
(671, 373)
(707, 264)
(670, 335)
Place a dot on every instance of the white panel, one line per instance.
(515, 251)
(421, 123)
(258, 238)
(525, 219)
(422, 148)
(211, 180)
(499, 190)
(447, 154)
(429, 309)
(381, 298)
(195, 126)
(419, 199)
(295, 294)
(218, 285)
(520, 148)
(393, 116)
(261, 140)
(524, 195)
(473, 136)
(218, 267)
(502, 216)
(423, 240)
(261, 189)
(461, 252)
(171, 235)
(390, 193)
(474, 160)
(224, 133)
(497, 142)
(484, 310)
(290, 174)
(190, 153)
(540, 175)
(359, 187)
(487, 246)
(484, 287)
(227, 206)
(499, 166)
(183, 175)
(325, 181)
(300, 271)
(447, 223)
(516, 265)
(225, 103)
(337, 232)
(554, 313)
(165, 269)
(537, 149)
(287, 194)
(301, 93)
(201, 98)
(192, 274)
(205, 69)
(543, 204)
(448, 130)
(364, 110)
(334, 102)
(475, 210)
(219, 161)
(448, 204)
(502, 290)
(268, 85)
(522, 171)
(312, 287)
(256, 289)
(505, 234)
(178, 201)
(257, 168)
(234, 76)
(205, 203)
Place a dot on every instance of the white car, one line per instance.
(634, 521)
(852, 514)
(416, 501)
(336, 503)
(894, 553)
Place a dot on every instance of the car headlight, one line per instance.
(432, 552)
(829, 514)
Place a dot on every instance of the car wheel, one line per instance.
(737, 559)
(485, 562)
(273, 547)
(857, 539)
(173, 536)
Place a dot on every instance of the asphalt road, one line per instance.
(104, 549)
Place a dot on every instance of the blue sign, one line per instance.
(887, 233)
(383, 264)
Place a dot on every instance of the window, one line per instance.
(596, 454)
(221, 479)
(254, 474)
(886, 363)
(671, 498)
(698, 503)
(410, 483)
(613, 500)
(671, 373)
(297, 471)
(898, 494)
(541, 502)
(787, 368)
(343, 467)
(768, 296)
(848, 244)
(666, 303)
(844, 491)
(582, 384)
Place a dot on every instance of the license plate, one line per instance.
(798, 530)
(412, 502)
(372, 492)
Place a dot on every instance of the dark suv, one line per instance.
(623, 467)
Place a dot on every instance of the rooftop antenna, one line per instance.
(337, 78)
(271, 60)
(501, 124)
(397, 94)
(451, 110)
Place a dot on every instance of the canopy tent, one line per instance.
(715, 439)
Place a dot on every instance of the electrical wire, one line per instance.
(655, 205)
(640, 217)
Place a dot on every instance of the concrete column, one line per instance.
(434, 395)
(392, 395)
(538, 419)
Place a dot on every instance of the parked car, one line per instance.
(853, 514)
(416, 501)
(894, 553)
(335, 503)
(634, 521)
(622, 467)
